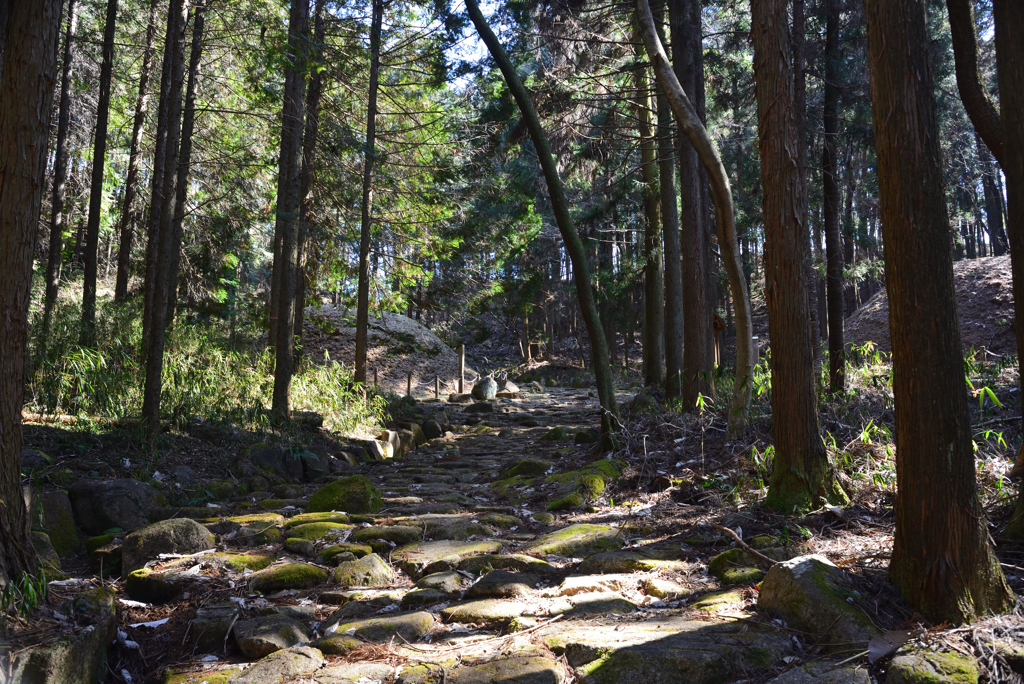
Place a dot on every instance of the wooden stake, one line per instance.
(408, 385)
(462, 368)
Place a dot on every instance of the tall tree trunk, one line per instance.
(92, 229)
(654, 284)
(26, 96)
(363, 293)
(130, 216)
(798, 41)
(160, 171)
(943, 563)
(802, 475)
(60, 177)
(849, 296)
(309, 142)
(188, 121)
(560, 207)
(725, 217)
(288, 201)
(1009, 20)
(830, 186)
(177, 25)
(693, 326)
(674, 292)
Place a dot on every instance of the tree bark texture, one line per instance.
(99, 155)
(674, 291)
(725, 217)
(834, 287)
(560, 207)
(695, 280)
(60, 176)
(1009, 19)
(363, 293)
(288, 201)
(802, 476)
(26, 97)
(993, 203)
(309, 142)
(130, 215)
(165, 231)
(654, 283)
(942, 563)
(188, 121)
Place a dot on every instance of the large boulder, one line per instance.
(485, 389)
(58, 521)
(178, 535)
(102, 505)
(72, 658)
(355, 494)
(814, 596)
(369, 571)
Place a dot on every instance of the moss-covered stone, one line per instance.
(555, 434)
(303, 547)
(317, 530)
(408, 626)
(259, 637)
(265, 519)
(47, 554)
(337, 644)
(443, 582)
(423, 558)
(631, 561)
(257, 535)
(223, 490)
(149, 586)
(355, 494)
(567, 502)
(369, 571)
(58, 523)
(178, 535)
(500, 520)
(204, 676)
(462, 531)
(319, 517)
(283, 665)
(717, 601)
(396, 534)
(287, 576)
(507, 561)
(490, 612)
(577, 540)
(240, 562)
(328, 555)
(527, 467)
(502, 584)
(919, 666)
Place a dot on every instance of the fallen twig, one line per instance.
(745, 545)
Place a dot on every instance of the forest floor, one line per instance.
(515, 593)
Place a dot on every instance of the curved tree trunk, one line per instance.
(560, 207)
(976, 99)
(363, 293)
(92, 229)
(943, 562)
(130, 216)
(802, 476)
(724, 215)
(26, 96)
(60, 177)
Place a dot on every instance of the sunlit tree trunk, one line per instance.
(130, 215)
(943, 563)
(99, 155)
(26, 95)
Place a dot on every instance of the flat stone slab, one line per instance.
(489, 611)
(515, 669)
(577, 541)
(823, 673)
(439, 556)
(507, 561)
(259, 637)
(599, 603)
(630, 561)
(669, 650)
(408, 626)
(502, 584)
(281, 665)
(354, 672)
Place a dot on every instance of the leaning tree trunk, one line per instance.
(289, 168)
(26, 95)
(834, 294)
(654, 284)
(725, 217)
(363, 290)
(943, 562)
(560, 207)
(92, 228)
(1009, 18)
(188, 121)
(129, 215)
(696, 367)
(975, 96)
(60, 177)
(178, 20)
(802, 476)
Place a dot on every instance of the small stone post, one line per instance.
(437, 387)
(462, 368)
(408, 385)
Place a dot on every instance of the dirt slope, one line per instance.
(984, 302)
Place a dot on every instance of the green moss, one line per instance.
(716, 600)
(564, 503)
(742, 575)
(241, 562)
(555, 434)
(789, 491)
(94, 543)
(287, 576)
(337, 645)
(317, 530)
(500, 520)
(357, 550)
(928, 667)
(505, 487)
(62, 478)
(528, 467)
(322, 516)
(274, 519)
(592, 486)
(223, 489)
(202, 677)
(355, 494)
